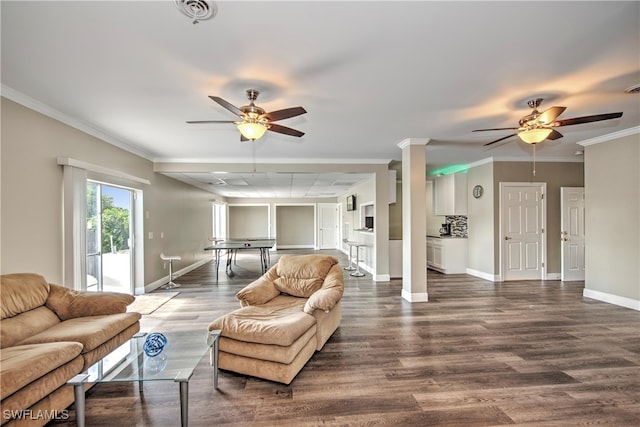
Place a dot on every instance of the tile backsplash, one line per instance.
(458, 225)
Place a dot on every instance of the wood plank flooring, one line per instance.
(527, 353)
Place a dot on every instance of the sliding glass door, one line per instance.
(109, 262)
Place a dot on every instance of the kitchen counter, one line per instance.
(437, 236)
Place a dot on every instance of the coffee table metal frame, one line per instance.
(136, 362)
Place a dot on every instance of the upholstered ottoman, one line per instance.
(287, 314)
(272, 341)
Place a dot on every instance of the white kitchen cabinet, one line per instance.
(450, 194)
(447, 255)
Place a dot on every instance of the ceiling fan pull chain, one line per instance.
(534, 159)
(253, 152)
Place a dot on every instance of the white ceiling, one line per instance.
(273, 184)
(370, 74)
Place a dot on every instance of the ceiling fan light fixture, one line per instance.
(535, 135)
(252, 130)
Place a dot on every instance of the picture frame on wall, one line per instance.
(351, 203)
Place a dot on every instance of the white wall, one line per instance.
(612, 217)
(434, 222)
(365, 194)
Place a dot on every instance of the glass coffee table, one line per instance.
(129, 363)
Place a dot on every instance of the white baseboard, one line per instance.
(612, 299)
(553, 276)
(382, 278)
(417, 297)
(163, 280)
(483, 275)
(295, 247)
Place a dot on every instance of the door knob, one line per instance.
(507, 238)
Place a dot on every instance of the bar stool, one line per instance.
(170, 258)
(357, 273)
(351, 244)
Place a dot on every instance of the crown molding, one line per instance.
(610, 136)
(89, 129)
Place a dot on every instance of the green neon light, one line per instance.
(448, 170)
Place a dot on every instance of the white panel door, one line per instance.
(327, 226)
(572, 233)
(522, 226)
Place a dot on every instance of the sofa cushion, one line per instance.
(22, 292)
(23, 364)
(68, 304)
(90, 331)
(18, 328)
(302, 275)
(279, 322)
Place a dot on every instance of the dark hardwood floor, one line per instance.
(477, 354)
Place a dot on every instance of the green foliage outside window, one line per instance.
(115, 222)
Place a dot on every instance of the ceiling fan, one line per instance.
(539, 126)
(254, 121)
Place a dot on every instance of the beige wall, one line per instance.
(275, 231)
(248, 221)
(295, 226)
(612, 194)
(395, 215)
(480, 214)
(556, 175)
(31, 193)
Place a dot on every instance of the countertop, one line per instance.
(437, 236)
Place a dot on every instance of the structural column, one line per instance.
(414, 219)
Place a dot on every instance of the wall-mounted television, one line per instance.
(351, 203)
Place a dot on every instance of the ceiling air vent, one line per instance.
(197, 10)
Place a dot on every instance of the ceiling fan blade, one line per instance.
(501, 139)
(587, 119)
(235, 110)
(554, 135)
(210, 121)
(549, 115)
(286, 113)
(285, 130)
(482, 130)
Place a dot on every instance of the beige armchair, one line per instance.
(287, 314)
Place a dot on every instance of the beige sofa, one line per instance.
(287, 315)
(48, 334)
